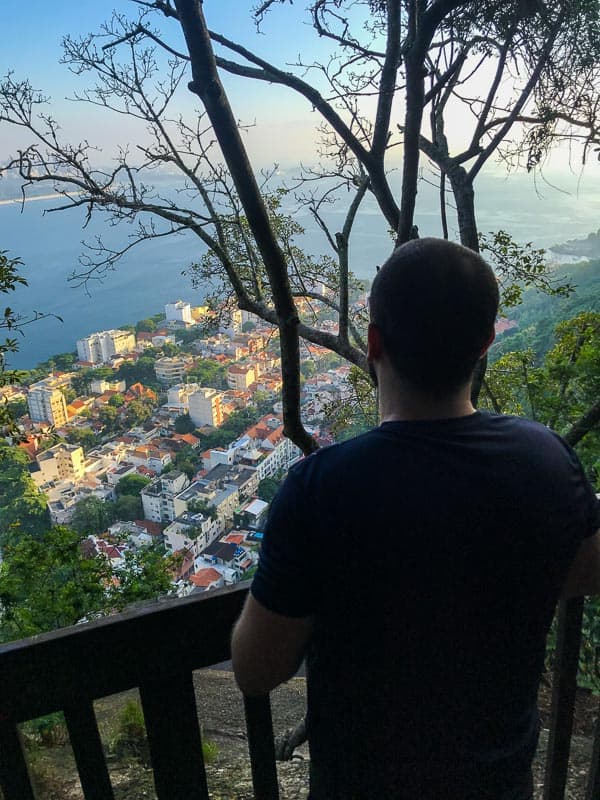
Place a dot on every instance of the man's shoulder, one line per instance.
(336, 455)
(524, 430)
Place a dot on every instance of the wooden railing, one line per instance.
(156, 649)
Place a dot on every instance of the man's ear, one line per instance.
(374, 342)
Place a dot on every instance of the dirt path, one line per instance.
(222, 717)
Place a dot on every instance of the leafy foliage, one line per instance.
(267, 489)
(92, 516)
(48, 583)
(556, 390)
(132, 485)
(10, 279)
(53, 581)
(23, 508)
(518, 267)
(207, 372)
(184, 424)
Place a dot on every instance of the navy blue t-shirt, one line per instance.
(431, 555)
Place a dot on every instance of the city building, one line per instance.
(240, 376)
(178, 396)
(61, 462)
(101, 385)
(99, 348)
(172, 370)
(158, 498)
(205, 407)
(262, 447)
(47, 403)
(64, 496)
(179, 311)
(192, 532)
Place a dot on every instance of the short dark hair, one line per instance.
(435, 303)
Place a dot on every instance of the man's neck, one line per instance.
(406, 405)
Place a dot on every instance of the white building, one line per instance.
(61, 462)
(172, 370)
(159, 497)
(46, 402)
(64, 496)
(100, 386)
(178, 396)
(99, 348)
(179, 311)
(205, 407)
(192, 532)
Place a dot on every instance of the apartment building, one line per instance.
(191, 532)
(178, 396)
(205, 407)
(61, 462)
(179, 311)
(100, 347)
(100, 386)
(240, 376)
(262, 447)
(158, 498)
(172, 370)
(47, 403)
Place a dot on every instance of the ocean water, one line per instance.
(150, 275)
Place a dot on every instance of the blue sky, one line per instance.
(37, 57)
(284, 123)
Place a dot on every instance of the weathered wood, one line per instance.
(262, 747)
(592, 791)
(563, 697)
(114, 654)
(88, 751)
(14, 773)
(174, 737)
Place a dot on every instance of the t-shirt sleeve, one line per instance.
(584, 497)
(285, 580)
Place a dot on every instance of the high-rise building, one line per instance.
(205, 407)
(98, 348)
(47, 403)
(179, 311)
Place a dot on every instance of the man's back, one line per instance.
(419, 565)
(431, 555)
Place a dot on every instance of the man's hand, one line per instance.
(266, 647)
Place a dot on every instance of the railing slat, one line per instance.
(592, 791)
(14, 772)
(564, 686)
(259, 725)
(169, 705)
(88, 751)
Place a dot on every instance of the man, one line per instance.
(418, 566)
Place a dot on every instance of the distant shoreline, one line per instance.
(16, 200)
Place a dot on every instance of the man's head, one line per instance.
(433, 307)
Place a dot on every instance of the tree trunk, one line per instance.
(464, 196)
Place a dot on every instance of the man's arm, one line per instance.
(266, 647)
(584, 575)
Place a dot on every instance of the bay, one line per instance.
(150, 275)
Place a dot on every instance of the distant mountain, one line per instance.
(539, 313)
(586, 248)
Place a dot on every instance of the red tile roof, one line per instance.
(204, 577)
(235, 538)
(153, 528)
